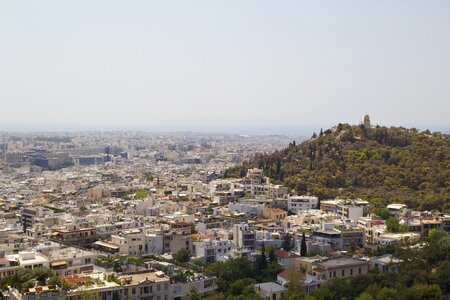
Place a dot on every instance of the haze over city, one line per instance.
(233, 66)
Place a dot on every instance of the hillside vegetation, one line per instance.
(380, 164)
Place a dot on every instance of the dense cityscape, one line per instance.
(224, 150)
(156, 216)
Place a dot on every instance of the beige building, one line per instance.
(342, 267)
(274, 213)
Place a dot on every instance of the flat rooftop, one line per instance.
(341, 262)
(151, 276)
(70, 252)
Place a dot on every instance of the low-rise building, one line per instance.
(29, 259)
(274, 213)
(342, 267)
(203, 284)
(270, 291)
(385, 263)
(286, 259)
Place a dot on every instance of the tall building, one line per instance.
(243, 236)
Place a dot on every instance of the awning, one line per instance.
(106, 245)
(58, 263)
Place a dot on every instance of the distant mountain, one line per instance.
(379, 164)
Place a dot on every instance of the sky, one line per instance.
(233, 66)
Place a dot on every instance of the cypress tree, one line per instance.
(303, 245)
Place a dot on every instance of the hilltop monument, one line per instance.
(367, 121)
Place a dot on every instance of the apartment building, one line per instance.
(71, 260)
(328, 234)
(75, 235)
(130, 242)
(349, 209)
(209, 223)
(31, 214)
(243, 236)
(28, 259)
(146, 286)
(174, 241)
(302, 203)
(255, 210)
(210, 250)
(8, 267)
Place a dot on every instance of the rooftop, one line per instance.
(141, 277)
(340, 262)
(70, 252)
(270, 287)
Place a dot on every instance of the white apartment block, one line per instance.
(209, 250)
(248, 209)
(130, 242)
(29, 259)
(302, 203)
(69, 261)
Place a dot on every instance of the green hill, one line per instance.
(379, 164)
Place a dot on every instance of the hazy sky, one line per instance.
(266, 66)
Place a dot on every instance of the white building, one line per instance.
(302, 203)
(210, 250)
(351, 212)
(248, 209)
(29, 259)
(69, 261)
(180, 217)
(154, 242)
(130, 242)
(396, 209)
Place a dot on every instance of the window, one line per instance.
(343, 272)
(334, 273)
(359, 270)
(351, 272)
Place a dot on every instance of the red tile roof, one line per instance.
(284, 274)
(284, 254)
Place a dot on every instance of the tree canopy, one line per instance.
(380, 164)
